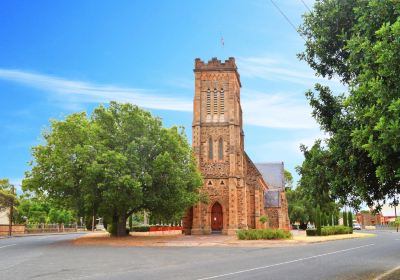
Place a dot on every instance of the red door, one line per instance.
(216, 217)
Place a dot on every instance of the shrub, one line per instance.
(331, 230)
(263, 219)
(255, 234)
(141, 228)
(311, 232)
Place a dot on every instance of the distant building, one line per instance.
(4, 220)
(384, 217)
(388, 214)
(368, 219)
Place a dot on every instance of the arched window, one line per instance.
(221, 102)
(220, 149)
(215, 101)
(208, 102)
(210, 148)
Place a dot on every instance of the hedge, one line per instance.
(140, 228)
(330, 230)
(255, 234)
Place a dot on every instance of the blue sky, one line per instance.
(58, 57)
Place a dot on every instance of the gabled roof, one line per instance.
(252, 164)
(273, 174)
(259, 175)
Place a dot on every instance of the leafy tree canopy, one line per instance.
(358, 42)
(118, 161)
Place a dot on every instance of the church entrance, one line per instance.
(216, 217)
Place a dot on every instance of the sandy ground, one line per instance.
(214, 240)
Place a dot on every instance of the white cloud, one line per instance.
(77, 92)
(275, 68)
(277, 110)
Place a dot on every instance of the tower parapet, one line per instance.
(216, 65)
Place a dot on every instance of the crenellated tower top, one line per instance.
(216, 65)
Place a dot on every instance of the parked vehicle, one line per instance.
(356, 226)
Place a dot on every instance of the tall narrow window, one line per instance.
(208, 102)
(221, 149)
(215, 101)
(221, 102)
(210, 148)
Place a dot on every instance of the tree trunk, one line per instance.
(121, 227)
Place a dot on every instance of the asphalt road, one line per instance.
(51, 257)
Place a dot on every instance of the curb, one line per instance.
(390, 275)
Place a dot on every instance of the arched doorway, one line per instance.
(216, 217)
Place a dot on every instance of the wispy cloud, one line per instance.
(273, 68)
(277, 110)
(86, 92)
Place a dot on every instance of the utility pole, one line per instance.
(11, 212)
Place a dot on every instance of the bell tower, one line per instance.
(218, 146)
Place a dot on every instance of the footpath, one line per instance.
(212, 240)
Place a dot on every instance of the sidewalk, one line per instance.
(212, 240)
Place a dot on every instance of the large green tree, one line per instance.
(314, 187)
(358, 42)
(117, 162)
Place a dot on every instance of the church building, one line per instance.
(238, 194)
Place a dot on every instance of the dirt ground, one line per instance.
(213, 240)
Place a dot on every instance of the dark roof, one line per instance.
(273, 174)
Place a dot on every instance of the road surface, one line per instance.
(52, 257)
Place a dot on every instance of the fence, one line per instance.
(386, 227)
(52, 228)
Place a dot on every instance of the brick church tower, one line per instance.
(234, 186)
